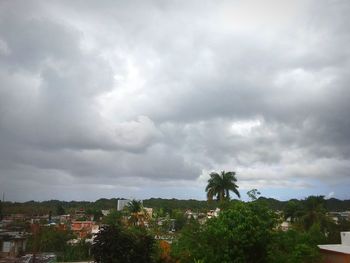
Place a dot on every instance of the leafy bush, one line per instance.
(49, 239)
(114, 244)
(240, 234)
(296, 247)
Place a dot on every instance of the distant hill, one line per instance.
(169, 204)
(272, 203)
(332, 204)
(39, 208)
(336, 205)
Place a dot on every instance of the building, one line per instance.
(83, 229)
(339, 216)
(122, 204)
(339, 252)
(12, 243)
(64, 218)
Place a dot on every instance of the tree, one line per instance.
(240, 234)
(295, 246)
(114, 244)
(137, 213)
(190, 244)
(75, 252)
(220, 185)
(180, 219)
(95, 213)
(314, 212)
(60, 210)
(113, 218)
(292, 210)
(253, 194)
(134, 206)
(48, 239)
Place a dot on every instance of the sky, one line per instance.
(140, 99)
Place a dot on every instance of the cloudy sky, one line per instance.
(144, 99)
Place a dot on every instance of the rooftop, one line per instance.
(336, 248)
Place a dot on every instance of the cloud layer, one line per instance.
(142, 99)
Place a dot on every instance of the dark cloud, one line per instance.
(140, 99)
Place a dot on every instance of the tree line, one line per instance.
(61, 207)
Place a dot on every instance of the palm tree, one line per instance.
(134, 206)
(220, 185)
(137, 213)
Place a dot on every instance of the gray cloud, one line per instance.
(135, 99)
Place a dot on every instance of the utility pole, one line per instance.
(2, 206)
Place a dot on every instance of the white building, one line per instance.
(122, 204)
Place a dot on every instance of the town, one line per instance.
(55, 231)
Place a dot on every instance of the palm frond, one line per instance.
(220, 185)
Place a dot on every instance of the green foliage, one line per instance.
(188, 248)
(333, 230)
(163, 206)
(113, 218)
(180, 219)
(306, 213)
(240, 234)
(220, 185)
(305, 253)
(49, 239)
(60, 210)
(117, 244)
(134, 206)
(243, 232)
(41, 208)
(253, 194)
(75, 252)
(294, 246)
(292, 210)
(96, 213)
(314, 212)
(337, 205)
(83, 218)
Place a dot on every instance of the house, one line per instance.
(64, 218)
(83, 228)
(12, 243)
(339, 252)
